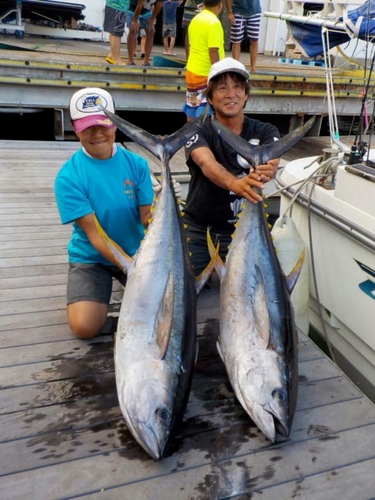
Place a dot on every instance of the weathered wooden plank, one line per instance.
(106, 435)
(34, 384)
(35, 261)
(40, 251)
(33, 320)
(232, 469)
(25, 243)
(29, 270)
(348, 482)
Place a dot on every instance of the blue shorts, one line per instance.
(142, 20)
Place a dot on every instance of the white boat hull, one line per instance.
(341, 263)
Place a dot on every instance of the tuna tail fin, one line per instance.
(163, 147)
(219, 263)
(123, 260)
(293, 276)
(260, 155)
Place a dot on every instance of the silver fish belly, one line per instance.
(156, 335)
(258, 339)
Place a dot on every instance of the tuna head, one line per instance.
(147, 398)
(263, 391)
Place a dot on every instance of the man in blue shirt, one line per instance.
(170, 25)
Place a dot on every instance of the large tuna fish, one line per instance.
(258, 338)
(155, 346)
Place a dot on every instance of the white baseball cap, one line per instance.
(86, 108)
(228, 65)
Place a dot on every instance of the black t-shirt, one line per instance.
(207, 204)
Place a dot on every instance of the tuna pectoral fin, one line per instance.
(203, 277)
(261, 315)
(123, 260)
(219, 264)
(164, 318)
(293, 276)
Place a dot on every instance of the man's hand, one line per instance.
(245, 187)
(268, 171)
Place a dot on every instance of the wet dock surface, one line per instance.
(62, 434)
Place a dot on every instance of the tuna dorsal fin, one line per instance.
(219, 263)
(163, 147)
(260, 309)
(123, 260)
(164, 318)
(260, 155)
(293, 276)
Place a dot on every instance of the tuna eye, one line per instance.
(279, 395)
(163, 415)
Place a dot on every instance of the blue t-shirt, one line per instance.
(113, 189)
(246, 7)
(169, 11)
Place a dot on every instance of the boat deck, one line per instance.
(61, 430)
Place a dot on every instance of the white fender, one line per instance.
(289, 246)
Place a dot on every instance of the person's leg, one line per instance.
(236, 36)
(150, 32)
(254, 47)
(115, 44)
(165, 40)
(253, 28)
(171, 45)
(86, 318)
(132, 39)
(172, 34)
(88, 293)
(143, 43)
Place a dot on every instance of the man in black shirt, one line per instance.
(220, 178)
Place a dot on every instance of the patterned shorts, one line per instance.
(114, 21)
(248, 27)
(196, 100)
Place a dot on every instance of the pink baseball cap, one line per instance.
(86, 108)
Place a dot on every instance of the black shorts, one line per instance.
(114, 21)
(92, 282)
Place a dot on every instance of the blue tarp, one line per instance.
(358, 23)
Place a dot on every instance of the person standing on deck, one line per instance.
(170, 25)
(142, 14)
(114, 24)
(244, 17)
(205, 47)
(191, 9)
(112, 184)
(220, 178)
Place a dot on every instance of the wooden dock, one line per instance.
(62, 434)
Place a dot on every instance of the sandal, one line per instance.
(110, 60)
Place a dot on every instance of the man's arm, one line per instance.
(220, 176)
(214, 54)
(137, 11)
